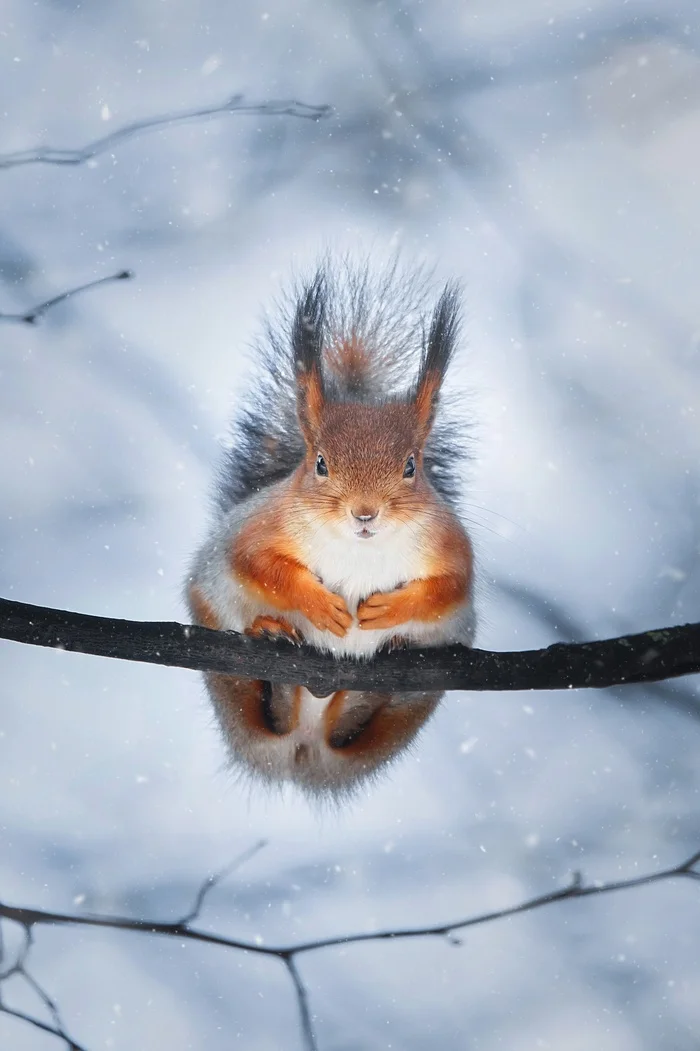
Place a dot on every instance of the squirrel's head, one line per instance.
(327, 746)
(364, 450)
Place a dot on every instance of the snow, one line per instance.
(547, 159)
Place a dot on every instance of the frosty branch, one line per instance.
(34, 314)
(647, 657)
(182, 929)
(235, 104)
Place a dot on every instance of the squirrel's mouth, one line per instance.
(365, 533)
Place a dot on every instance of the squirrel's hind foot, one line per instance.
(265, 627)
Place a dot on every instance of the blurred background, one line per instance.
(546, 155)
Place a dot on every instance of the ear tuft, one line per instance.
(308, 331)
(437, 354)
(444, 328)
(308, 328)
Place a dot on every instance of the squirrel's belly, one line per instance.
(355, 643)
(358, 642)
(356, 569)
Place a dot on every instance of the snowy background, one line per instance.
(546, 153)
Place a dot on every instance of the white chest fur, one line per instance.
(355, 568)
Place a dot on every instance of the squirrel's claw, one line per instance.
(396, 642)
(265, 627)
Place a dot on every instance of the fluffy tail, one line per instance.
(375, 336)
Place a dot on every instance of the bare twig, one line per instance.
(235, 104)
(44, 1026)
(302, 994)
(52, 1008)
(30, 317)
(647, 657)
(19, 969)
(18, 966)
(216, 878)
(576, 888)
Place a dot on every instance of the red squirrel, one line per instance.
(336, 522)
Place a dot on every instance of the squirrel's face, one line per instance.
(363, 467)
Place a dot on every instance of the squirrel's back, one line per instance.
(375, 327)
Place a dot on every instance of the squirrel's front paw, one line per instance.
(328, 612)
(384, 610)
(274, 628)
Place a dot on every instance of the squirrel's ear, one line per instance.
(307, 346)
(437, 354)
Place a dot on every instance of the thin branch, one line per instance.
(18, 966)
(31, 918)
(44, 1026)
(575, 889)
(235, 104)
(213, 881)
(52, 1008)
(302, 994)
(30, 317)
(647, 657)
(19, 970)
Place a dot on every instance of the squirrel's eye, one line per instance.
(321, 467)
(410, 468)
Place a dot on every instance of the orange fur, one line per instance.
(276, 626)
(239, 701)
(426, 399)
(428, 598)
(389, 726)
(333, 710)
(239, 704)
(310, 402)
(274, 574)
(202, 612)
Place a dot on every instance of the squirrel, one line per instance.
(336, 520)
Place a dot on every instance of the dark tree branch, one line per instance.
(30, 317)
(30, 918)
(235, 104)
(648, 657)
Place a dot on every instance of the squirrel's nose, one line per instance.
(364, 515)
